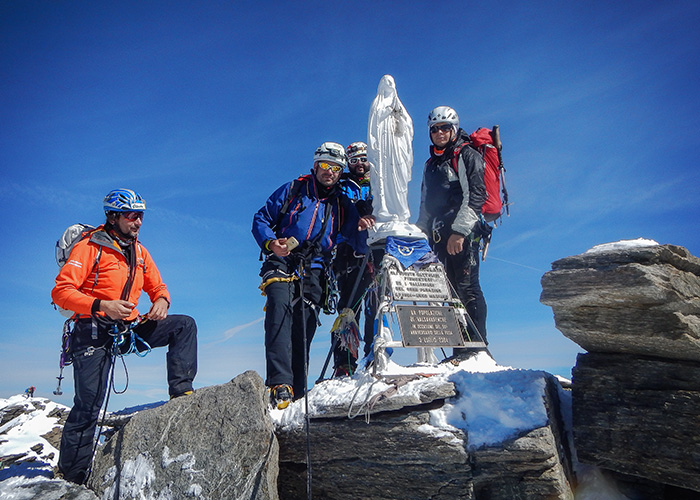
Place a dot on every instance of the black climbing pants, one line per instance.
(285, 353)
(92, 357)
(463, 272)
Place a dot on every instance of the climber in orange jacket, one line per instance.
(101, 283)
(84, 290)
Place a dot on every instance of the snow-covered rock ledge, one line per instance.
(476, 430)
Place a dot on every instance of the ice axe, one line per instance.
(58, 391)
(65, 358)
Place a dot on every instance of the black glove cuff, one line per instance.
(95, 306)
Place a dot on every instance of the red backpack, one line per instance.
(488, 144)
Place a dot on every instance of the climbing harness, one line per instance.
(276, 279)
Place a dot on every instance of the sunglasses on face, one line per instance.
(132, 216)
(330, 166)
(361, 159)
(442, 128)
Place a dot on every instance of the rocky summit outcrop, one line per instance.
(639, 416)
(409, 440)
(218, 443)
(394, 452)
(636, 392)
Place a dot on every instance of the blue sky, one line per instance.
(206, 107)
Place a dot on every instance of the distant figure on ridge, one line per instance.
(29, 391)
(101, 283)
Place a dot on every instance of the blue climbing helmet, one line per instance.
(123, 200)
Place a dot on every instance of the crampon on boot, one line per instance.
(280, 396)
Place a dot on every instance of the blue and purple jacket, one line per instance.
(304, 219)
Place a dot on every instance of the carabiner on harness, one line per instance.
(331, 292)
(437, 226)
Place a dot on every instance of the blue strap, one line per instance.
(120, 338)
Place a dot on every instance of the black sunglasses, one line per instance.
(442, 128)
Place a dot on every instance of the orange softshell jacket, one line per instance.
(85, 278)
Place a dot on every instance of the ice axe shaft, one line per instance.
(58, 391)
(496, 136)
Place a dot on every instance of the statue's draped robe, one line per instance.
(390, 153)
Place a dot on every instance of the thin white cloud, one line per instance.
(233, 331)
(489, 257)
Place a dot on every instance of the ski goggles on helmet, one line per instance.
(330, 166)
(445, 127)
(359, 159)
(132, 216)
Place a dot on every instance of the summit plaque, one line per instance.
(428, 284)
(429, 326)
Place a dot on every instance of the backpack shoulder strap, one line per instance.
(458, 149)
(310, 245)
(294, 189)
(455, 157)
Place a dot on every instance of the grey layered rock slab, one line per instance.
(639, 416)
(218, 443)
(386, 459)
(643, 301)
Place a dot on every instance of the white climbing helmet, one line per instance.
(443, 114)
(333, 152)
(356, 149)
